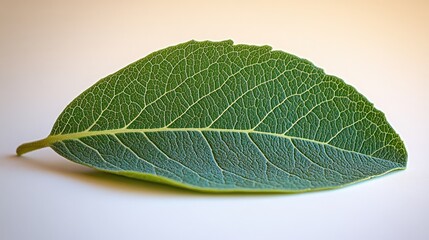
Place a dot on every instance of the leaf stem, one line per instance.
(31, 146)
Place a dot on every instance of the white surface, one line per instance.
(51, 51)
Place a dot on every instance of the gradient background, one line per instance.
(50, 51)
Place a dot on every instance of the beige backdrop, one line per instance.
(50, 51)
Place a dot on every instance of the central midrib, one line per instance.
(70, 136)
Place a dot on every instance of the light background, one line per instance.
(50, 51)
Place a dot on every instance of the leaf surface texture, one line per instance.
(216, 116)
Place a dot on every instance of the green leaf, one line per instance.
(215, 116)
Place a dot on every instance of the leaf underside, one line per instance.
(215, 116)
